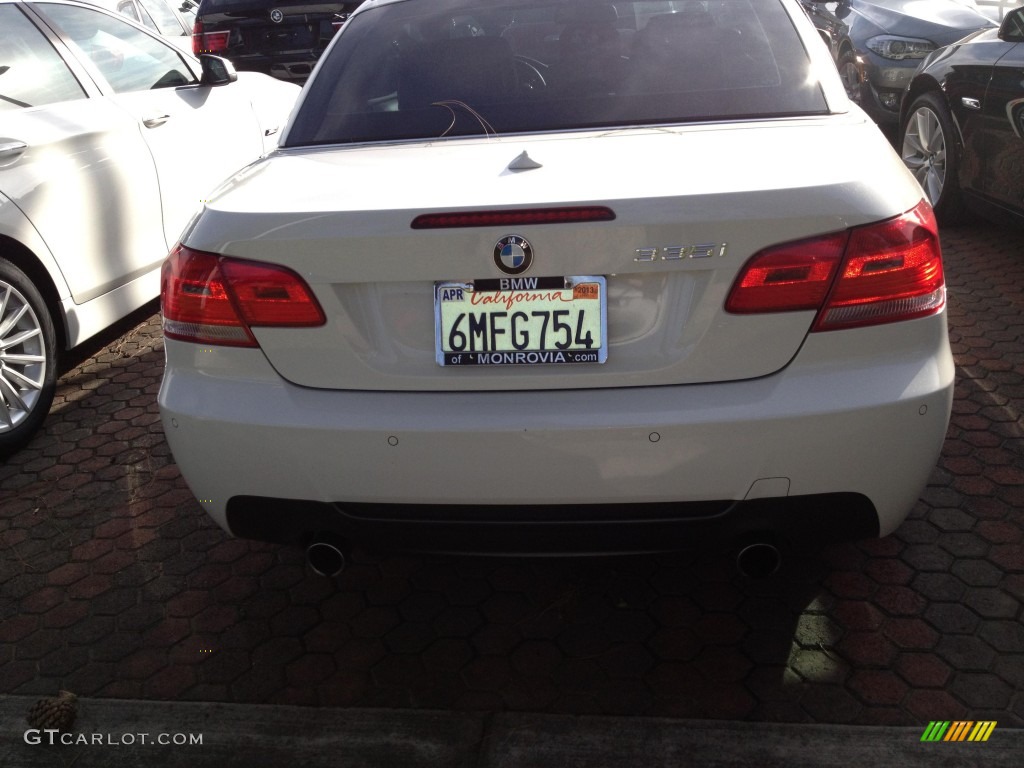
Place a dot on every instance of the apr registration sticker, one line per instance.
(521, 321)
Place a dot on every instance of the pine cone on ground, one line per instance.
(54, 712)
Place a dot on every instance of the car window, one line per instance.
(469, 67)
(128, 58)
(1013, 25)
(31, 72)
(132, 12)
(162, 15)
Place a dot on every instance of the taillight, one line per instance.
(208, 42)
(789, 277)
(892, 271)
(878, 273)
(211, 299)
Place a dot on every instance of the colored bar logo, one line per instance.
(958, 730)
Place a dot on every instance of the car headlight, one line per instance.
(899, 48)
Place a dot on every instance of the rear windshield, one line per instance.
(424, 69)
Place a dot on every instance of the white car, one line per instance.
(562, 277)
(109, 139)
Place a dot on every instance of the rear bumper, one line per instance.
(292, 67)
(558, 529)
(842, 440)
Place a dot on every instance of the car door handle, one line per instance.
(12, 148)
(153, 122)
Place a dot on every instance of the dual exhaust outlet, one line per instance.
(326, 556)
(758, 560)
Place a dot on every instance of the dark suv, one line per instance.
(283, 38)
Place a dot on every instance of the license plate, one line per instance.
(521, 321)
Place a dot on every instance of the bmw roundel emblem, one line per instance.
(513, 254)
(277, 15)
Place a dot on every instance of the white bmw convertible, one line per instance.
(541, 276)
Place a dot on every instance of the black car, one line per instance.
(283, 38)
(891, 37)
(962, 124)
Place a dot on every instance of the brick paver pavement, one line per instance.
(115, 583)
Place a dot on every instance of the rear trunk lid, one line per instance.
(692, 204)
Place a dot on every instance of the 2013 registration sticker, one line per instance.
(521, 321)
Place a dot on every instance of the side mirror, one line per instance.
(216, 70)
(843, 9)
(1012, 28)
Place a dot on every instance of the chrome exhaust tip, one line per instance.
(759, 560)
(326, 556)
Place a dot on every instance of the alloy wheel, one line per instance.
(849, 72)
(22, 358)
(924, 152)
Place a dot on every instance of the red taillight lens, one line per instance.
(211, 299)
(513, 217)
(208, 42)
(879, 273)
(893, 271)
(789, 277)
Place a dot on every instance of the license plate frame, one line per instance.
(583, 299)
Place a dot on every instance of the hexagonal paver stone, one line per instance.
(868, 649)
(487, 673)
(978, 573)
(927, 557)
(981, 690)
(1007, 637)
(939, 586)
(952, 618)
(830, 703)
(819, 666)
(923, 670)
(966, 652)
(909, 633)
(992, 603)
(878, 687)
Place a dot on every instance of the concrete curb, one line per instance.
(111, 733)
